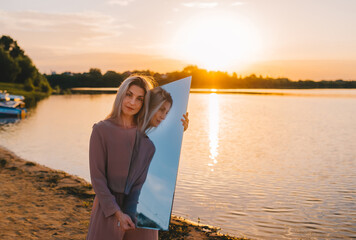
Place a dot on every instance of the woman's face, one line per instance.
(133, 100)
(161, 114)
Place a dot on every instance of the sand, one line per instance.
(37, 202)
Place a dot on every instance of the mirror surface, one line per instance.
(156, 198)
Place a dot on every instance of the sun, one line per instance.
(216, 42)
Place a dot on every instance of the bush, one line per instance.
(44, 86)
(29, 85)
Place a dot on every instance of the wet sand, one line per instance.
(37, 202)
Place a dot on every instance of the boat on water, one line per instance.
(16, 98)
(4, 96)
(12, 109)
(12, 106)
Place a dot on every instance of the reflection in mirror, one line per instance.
(156, 198)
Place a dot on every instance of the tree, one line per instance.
(16, 51)
(6, 42)
(16, 66)
(28, 71)
(112, 79)
(11, 46)
(9, 69)
(28, 85)
(190, 69)
(95, 73)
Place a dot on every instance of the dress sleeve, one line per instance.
(131, 201)
(97, 164)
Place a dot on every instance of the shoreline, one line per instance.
(294, 92)
(38, 202)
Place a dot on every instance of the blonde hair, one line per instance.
(144, 82)
(154, 100)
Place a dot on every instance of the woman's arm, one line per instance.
(97, 163)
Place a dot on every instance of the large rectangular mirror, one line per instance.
(156, 198)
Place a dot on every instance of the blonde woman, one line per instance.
(111, 146)
(119, 156)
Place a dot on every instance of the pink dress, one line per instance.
(119, 159)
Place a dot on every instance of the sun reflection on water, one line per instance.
(213, 129)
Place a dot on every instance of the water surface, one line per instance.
(260, 166)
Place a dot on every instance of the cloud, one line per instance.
(71, 31)
(200, 4)
(119, 2)
(53, 22)
(237, 3)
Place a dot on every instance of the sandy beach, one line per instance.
(37, 202)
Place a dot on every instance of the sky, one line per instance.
(298, 39)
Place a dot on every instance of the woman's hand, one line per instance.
(125, 221)
(185, 121)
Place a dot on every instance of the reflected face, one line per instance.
(161, 114)
(133, 100)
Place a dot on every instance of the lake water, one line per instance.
(259, 166)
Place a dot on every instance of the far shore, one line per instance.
(38, 202)
(322, 92)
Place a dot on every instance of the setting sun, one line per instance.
(216, 42)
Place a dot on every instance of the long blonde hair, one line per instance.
(154, 100)
(144, 82)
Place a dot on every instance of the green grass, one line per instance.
(31, 98)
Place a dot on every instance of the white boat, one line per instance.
(11, 106)
(15, 109)
(16, 97)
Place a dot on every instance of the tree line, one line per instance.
(17, 67)
(201, 78)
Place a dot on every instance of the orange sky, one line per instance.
(298, 39)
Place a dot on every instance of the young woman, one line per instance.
(119, 157)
